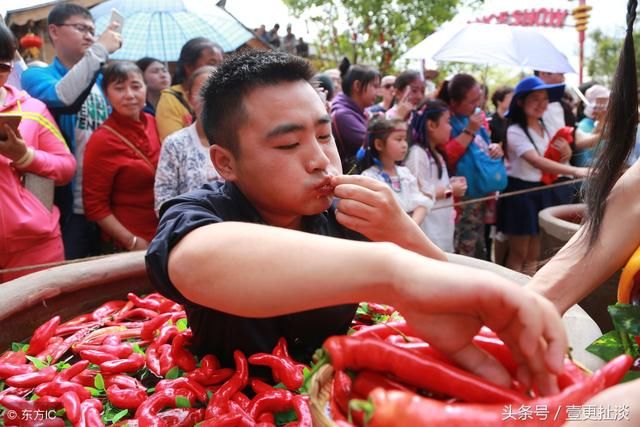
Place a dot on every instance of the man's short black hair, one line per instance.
(223, 112)
(63, 11)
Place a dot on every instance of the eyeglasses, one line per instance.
(5, 67)
(81, 28)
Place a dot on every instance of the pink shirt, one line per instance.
(23, 219)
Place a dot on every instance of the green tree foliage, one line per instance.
(601, 64)
(379, 30)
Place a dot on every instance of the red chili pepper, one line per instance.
(341, 390)
(166, 361)
(71, 403)
(125, 398)
(170, 306)
(123, 381)
(241, 399)
(418, 347)
(57, 389)
(209, 377)
(226, 420)
(209, 361)
(97, 357)
(85, 378)
(120, 351)
(146, 303)
(366, 381)
(154, 324)
(90, 410)
(266, 417)
(301, 407)
(184, 383)
(499, 350)
(616, 368)
(138, 313)
(167, 332)
(9, 370)
(218, 403)
(182, 357)
(13, 357)
(181, 417)
(152, 359)
(276, 400)
(290, 374)
(53, 343)
(32, 379)
(107, 309)
(58, 350)
(72, 329)
(259, 386)
(73, 370)
(572, 374)
(132, 364)
(383, 330)
(119, 315)
(354, 353)
(42, 335)
(48, 402)
(148, 411)
(281, 350)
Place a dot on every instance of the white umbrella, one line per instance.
(503, 45)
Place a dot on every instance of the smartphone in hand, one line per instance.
(13, 120)
(118, 18)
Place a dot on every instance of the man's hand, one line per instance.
(466, 299)
(370, 208)
(111, 39)
(14, 147)
(475, 121)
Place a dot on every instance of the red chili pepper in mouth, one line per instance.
(42, 335)
(356, 353)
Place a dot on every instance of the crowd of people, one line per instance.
(124, 138)
(287, 43)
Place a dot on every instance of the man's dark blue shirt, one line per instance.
(221, 333)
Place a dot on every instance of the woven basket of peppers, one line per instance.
(383, 376)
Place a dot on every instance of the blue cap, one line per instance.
(532, 84)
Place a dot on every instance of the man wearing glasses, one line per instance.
(387, 91)
(70, 87)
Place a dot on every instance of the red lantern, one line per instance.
(30, 40)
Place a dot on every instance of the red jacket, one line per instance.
(116, 180)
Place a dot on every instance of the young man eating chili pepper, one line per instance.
(268, 253)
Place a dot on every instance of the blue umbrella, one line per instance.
(159, 28)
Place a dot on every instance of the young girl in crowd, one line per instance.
(429, 131)
(386, 146)
(527, 141)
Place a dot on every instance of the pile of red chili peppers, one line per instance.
(385, 377)
(128, 363)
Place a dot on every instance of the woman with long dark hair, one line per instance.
(174, 111)
(360, 86)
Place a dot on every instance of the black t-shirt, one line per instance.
(221, 333)
(498, 127)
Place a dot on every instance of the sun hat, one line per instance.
(532, 84)
(592, 94)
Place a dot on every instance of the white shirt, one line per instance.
(553, 117)
(409, 195)
(439, 224)
(517, 144)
